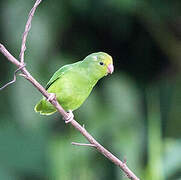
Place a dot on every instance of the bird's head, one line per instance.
(102, 62)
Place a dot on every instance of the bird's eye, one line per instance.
(101, 63)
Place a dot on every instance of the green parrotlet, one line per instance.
(73, 83)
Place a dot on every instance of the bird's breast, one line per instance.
(74, 90)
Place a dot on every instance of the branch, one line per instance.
(14, 79)
(27, 28)
(83, 144)
(55, 103)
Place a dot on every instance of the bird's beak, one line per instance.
(110, 68)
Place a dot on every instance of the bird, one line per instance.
(73, 83)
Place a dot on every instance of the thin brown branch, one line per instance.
(74, 123)
(12, 59)
(55, 103)
(27, 28)
(83, 144)
(14, 79)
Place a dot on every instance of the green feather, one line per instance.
(58, 73)
(73, 83)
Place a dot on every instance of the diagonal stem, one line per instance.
(55, 103)
(27, 28)
(82, 144)
(74, 123)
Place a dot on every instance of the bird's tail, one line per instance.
(44, 107)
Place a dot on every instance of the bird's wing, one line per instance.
(59, 73)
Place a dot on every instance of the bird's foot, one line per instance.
(70, 117)
(51, 97)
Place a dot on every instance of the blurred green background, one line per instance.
(135, 112)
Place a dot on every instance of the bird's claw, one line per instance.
(70, 117)
(51, 97)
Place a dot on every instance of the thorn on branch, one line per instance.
(14, 79)
(124, 160)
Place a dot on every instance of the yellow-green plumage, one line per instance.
(73, 83)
